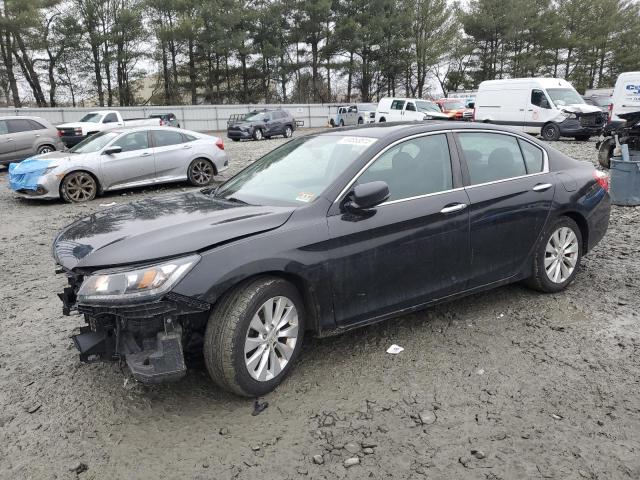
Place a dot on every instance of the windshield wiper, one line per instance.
(236, 200)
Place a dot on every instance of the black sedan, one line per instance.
(328, 232)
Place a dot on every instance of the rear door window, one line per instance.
(397, 105)
(19, 125)
(491, 156)
(166, 138)
(533, 157)
(36, 125)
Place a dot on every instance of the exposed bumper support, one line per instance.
(160, 361)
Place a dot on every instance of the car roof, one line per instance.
(397, 130)
(22, 117)
(144, 128)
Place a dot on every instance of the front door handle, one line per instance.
(145, 154)
(456, 207)
(542, 187)
(187, 147)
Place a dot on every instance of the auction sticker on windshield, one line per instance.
(305, 196)
(366, 141)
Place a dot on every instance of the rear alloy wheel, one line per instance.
(360, 121)
(254, 336)
(288, 131)
(78, 187)
(201, 172)
(45, 149)
(257, 134)
(551, 132)
(557, 256)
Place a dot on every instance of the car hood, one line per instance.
(579, 108)
(161, 227)
(78, 125)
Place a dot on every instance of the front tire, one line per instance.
(551, 132)
(254, 335)
(78, 187)
(257, 134)
(288, 131)
(201, 172)
(557, 256)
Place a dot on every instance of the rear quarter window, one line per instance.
(533, 157)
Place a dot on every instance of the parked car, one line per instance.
(260, 124)
(456, 107)
(328, 232)
(166, 119)
(626, 96)
(356, 114)
(22, 137)
(550, 107)
(99, 121)
(120, 158)
(405, 109)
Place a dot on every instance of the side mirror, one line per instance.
(368, 195)
(265, 120)
(112, 150)
(471, 105)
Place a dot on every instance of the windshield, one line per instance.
(424, 106)
(565, 96)
(453, 104)
(92, 118)
(94, 142)
(253, 116)
(295, 173)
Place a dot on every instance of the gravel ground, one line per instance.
(509, 384)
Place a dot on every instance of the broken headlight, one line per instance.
(143, 282)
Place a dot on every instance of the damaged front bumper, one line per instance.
(150, 337)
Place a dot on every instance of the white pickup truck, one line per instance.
(98, 121)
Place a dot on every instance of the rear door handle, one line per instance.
(454, 208)
(145, 154)
(542, 187)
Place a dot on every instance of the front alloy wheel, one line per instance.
(78, 187)
(288, 132)
(257, 134)
(254, 335)
(271, 338)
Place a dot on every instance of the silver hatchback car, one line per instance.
(22, 137)
(120, 158)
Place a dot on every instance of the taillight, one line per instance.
(602, 179)
(220, 144)
(59, 133)
(161, 122)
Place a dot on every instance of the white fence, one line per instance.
(192, 117)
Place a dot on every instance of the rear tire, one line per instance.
(605, 152)
(201, 172)
(288, 131)
(382, 120)
(46, 149)
(238, 357)
(551, 132)
(557, 256)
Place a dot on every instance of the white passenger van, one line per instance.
(408, 109)
(626, 95)
(547, 106)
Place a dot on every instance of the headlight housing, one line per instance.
(140, 283)
(569, 115)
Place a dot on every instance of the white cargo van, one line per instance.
(547, 106)
(408, 109)
(626, 95)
